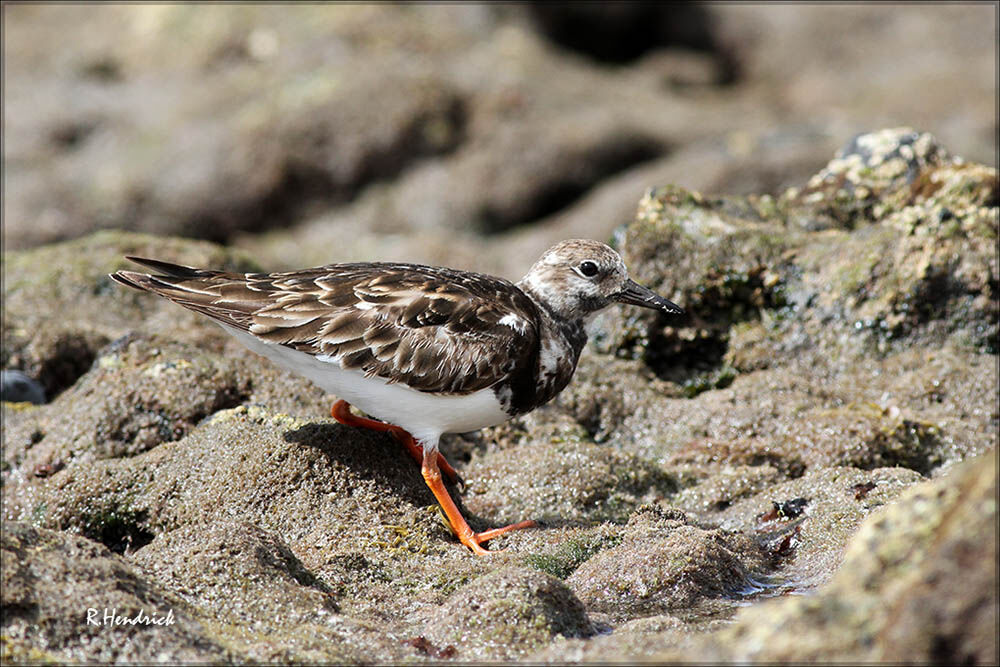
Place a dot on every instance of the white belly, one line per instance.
(426, 416)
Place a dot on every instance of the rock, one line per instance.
(623, 32)
(212, 562)
(333, 121)
(144, 391)
(903, 594)
(123, 397)
(926, 266)
(61, 593)
(664, 564)
(639, 640)
(918, 584)
(435, 121)
(247, 577)
(559, 478)
(507, 614)
(141, 393)
(735, 261)
(72, 279)
(806, 523)
(142, 496)
(776, 307)
(248, 133)
(274, 128)
(561, 557)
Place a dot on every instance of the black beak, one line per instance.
(637, 295)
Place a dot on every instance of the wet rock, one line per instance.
(721, 259)
(866, 175)
(183, 481)
(210, 563)
(56, 354)
(709, 489)
(507, 614)
(369, 107)
(606, 391)
(556, 476)
(916, 407)
(385, 127)
(902, 270)
(927, 266)
(664, 564)
(142, 388)
(384, 115)
(806, 523)
(562, 557)
(770, 317)
(418, 217)
(144, 391)
(918, 584)
(246, 577)
(639, 640)
(141, 393)
(58, 589)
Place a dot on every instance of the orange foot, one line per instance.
(465, 534)
(431, 465)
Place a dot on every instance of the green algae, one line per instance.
(562, 561)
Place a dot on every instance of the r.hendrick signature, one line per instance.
(112, 617)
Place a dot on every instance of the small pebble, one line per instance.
(17, 387)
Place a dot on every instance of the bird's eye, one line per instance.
(588, 268)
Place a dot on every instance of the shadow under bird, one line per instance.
(427, 350)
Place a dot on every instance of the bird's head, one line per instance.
(579, 277)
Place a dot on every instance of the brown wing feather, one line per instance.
(434, 329)
(211, 295)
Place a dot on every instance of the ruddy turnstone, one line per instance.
(427, 350)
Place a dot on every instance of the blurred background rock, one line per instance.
(469, 135)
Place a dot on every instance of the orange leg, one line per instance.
(432, 475)
(431, 465)
(341, 411)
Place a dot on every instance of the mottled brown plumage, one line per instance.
(434, 330)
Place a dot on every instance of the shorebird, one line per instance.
(424, 350)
